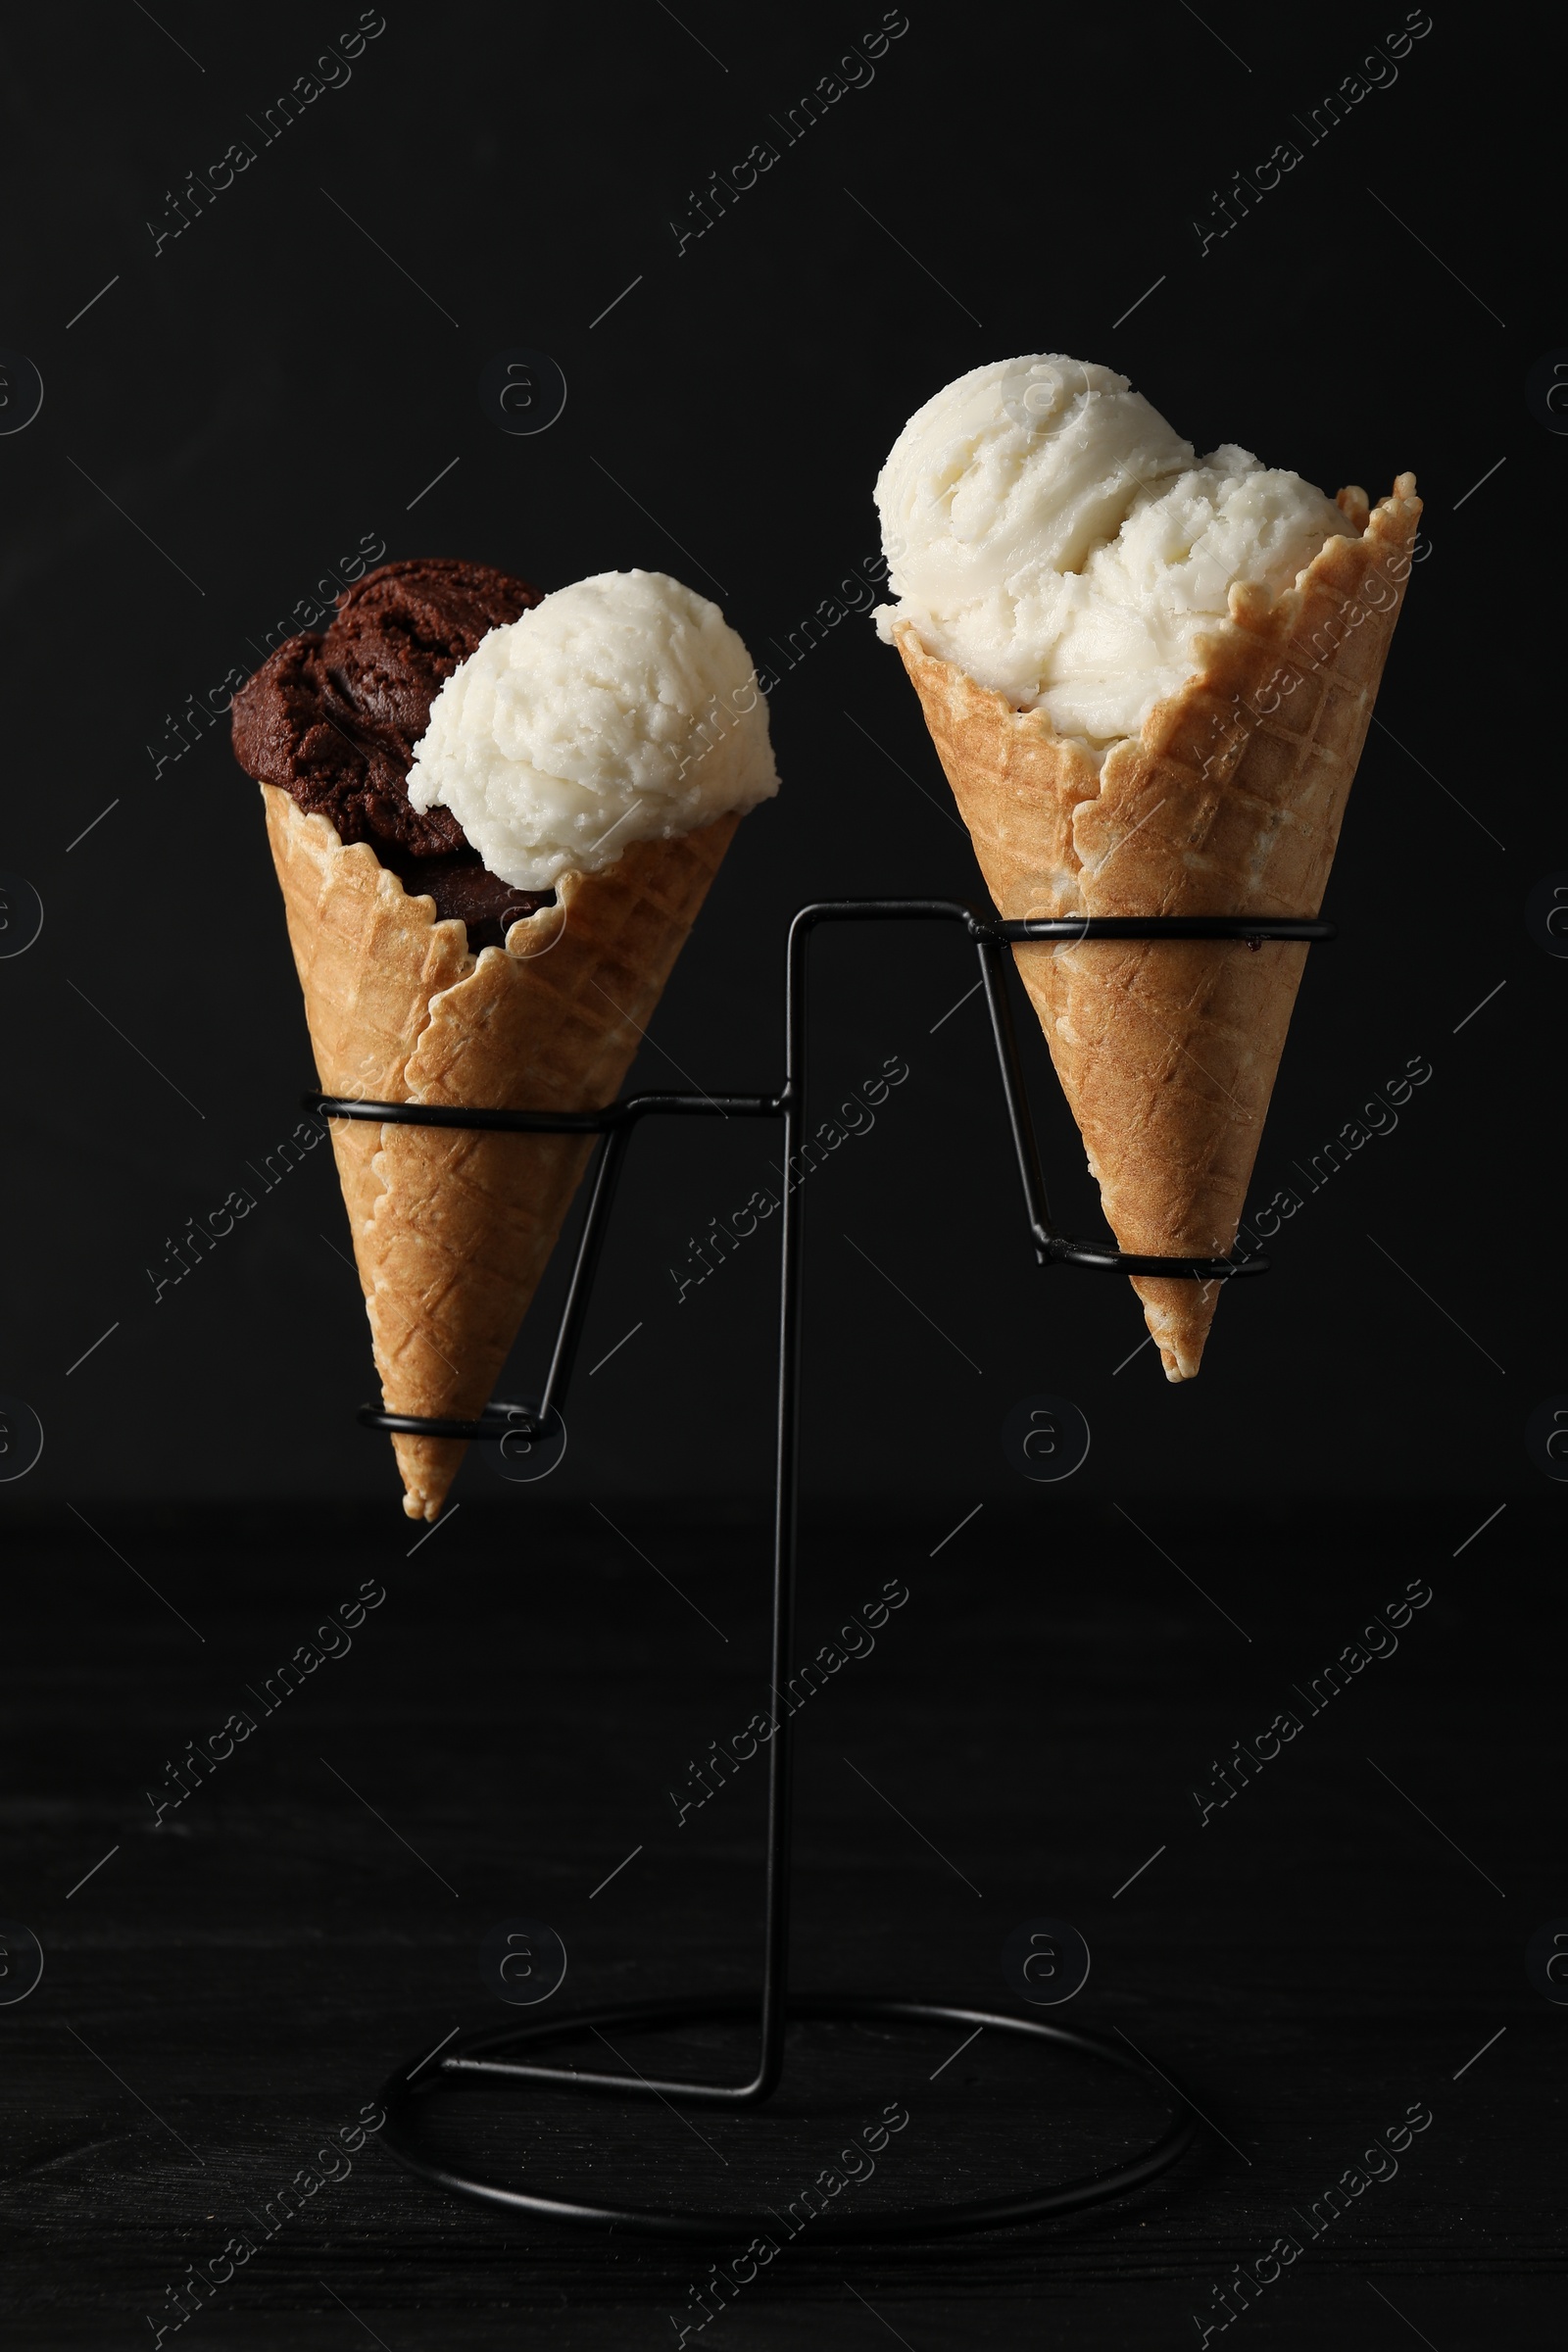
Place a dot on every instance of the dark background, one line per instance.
(220, 428)
(271, 387)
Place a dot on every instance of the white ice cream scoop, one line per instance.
(621, 709)
(1048, 533)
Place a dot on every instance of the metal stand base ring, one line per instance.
(474, 2058)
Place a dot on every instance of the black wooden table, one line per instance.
(1333, 1953)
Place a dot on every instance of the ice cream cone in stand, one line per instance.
(1229, 802)
(452, 1227)
(1179, 661)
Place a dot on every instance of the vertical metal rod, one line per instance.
(993, 972)
(786, 1517)
(574, 1316)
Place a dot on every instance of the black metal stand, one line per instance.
(476, 2058)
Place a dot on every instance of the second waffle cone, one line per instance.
(1229, 802)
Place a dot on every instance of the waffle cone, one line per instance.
(452, 1229)
(1228, 802)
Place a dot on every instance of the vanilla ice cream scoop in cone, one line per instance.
(494, 819)
(1149, 678)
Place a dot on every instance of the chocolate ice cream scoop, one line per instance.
(334, 721)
